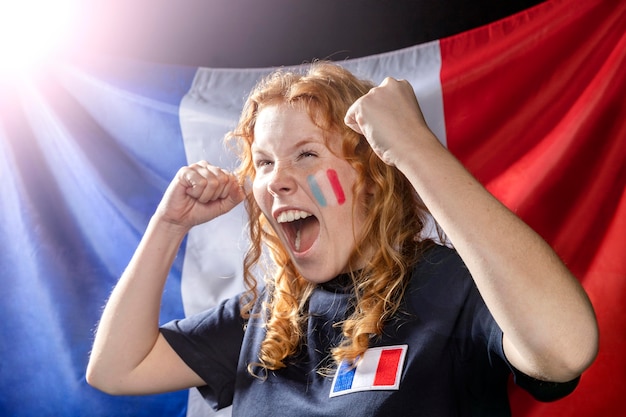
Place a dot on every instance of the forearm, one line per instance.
(548, 322)
(128, 328)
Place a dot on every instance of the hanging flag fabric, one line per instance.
(531, 104)
(534, 108)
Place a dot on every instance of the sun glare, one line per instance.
(32, 32)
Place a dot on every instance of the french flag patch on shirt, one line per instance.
(380, 368)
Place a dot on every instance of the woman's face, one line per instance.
(305, 191)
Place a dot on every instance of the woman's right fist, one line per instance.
(198, 193)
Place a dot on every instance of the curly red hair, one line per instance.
(395, 218)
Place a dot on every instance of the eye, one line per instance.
(260, 160)
(262, 163)
(306, 154)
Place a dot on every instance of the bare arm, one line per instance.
(129, 355)
(549, 326)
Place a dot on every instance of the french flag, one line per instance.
(533, 105)
(379, 368)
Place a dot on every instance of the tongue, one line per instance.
(306, 232)
(297, 242)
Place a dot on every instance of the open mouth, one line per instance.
(300, 228)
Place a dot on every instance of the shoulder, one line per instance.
(440, 266)
(438, 256)
(224, 315)
(441, 284)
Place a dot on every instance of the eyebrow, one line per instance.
(303, 142)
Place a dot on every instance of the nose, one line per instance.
(281, 181)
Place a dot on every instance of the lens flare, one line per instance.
(32, 32)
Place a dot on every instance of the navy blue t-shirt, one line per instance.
(453, 363)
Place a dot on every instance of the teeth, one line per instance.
(292, 215)
(297, 242)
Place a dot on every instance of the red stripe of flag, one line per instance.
(387, 369)
(534, 107)
(334, 182)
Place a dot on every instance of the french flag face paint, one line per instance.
(379, 369)
(326, 188)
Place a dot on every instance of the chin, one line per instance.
(315, 276)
